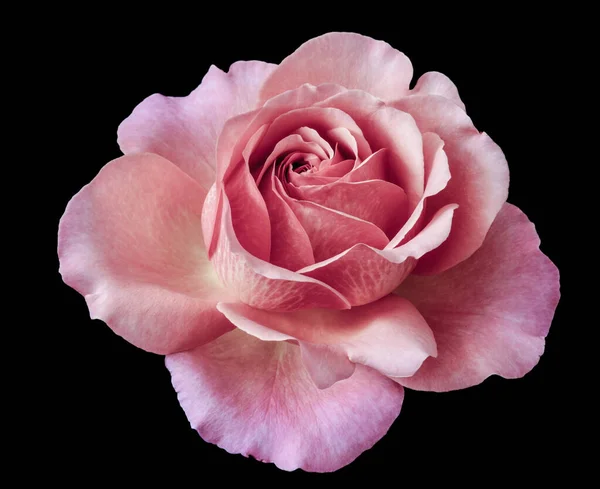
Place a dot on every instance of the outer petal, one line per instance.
(435, 83)
(489, 314)
(131, 243)
(255, 398)
(262, 284)
(185, 129)
(364, 274)
(389, 335)
(479, 183)
(350, 60)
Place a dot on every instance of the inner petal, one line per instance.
(312, 136)
(289, 145)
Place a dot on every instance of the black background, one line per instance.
(116, 411)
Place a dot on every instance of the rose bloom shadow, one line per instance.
(302, 241)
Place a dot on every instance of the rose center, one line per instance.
(300, 166)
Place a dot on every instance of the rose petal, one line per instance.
(375, 167)
(364, 274)
(376, 201)
(322, 119)
(249, 213)
(479, 182)
(248, 210)
(435, 83)
(489, 314)
(262, 284)
(237, 131)
(256, 398)
(348, 59)
(290, 246)
(131, 243)
(388, 335)
(331, 231)
(185, 129)
(291, 143)
(386, 127)
(325, 364)
(335, 169)
(311, 136)
(344, 140)
(437, 175)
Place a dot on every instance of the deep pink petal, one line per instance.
(479, 182)
(491, 313)
(364, 274)
(249, 213)
(290, 245)
(261, 284)
(335, 169)
(376, 201)
(331, 231)
(435, 83)
(210, 213)
(389, 335)
(299, 179)
(348, 59)
(256, 398)
(185, 129)
(131, 243)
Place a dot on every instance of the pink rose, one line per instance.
(304, 240)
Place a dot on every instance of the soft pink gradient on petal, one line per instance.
(131, 243)
(210, 212)
(479, 183)
(435, 83)
(262, 284)
(348, 59)
(364, 274)
(344, 140)
(437, 176)
(256, 398)
(491, 313)
(389, 335)
(185, 129)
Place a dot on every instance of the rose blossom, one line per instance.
(303, 240)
